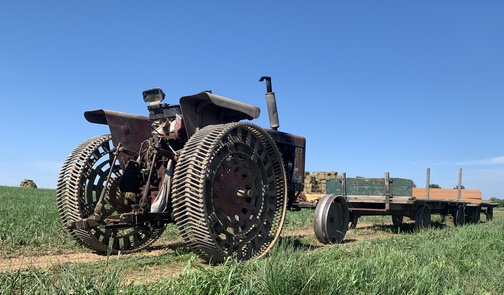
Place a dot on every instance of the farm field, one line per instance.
(37, 256)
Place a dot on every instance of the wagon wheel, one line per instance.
(459, 216)
(80, 183)
(397, 220)
(423, 217)
(353, 222)
(475, 214)
(229, 192)
(489, 213)
(331, 219)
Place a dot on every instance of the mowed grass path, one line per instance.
(447, 260)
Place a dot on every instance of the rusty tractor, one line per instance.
(226, 183)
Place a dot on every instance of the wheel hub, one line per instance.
(234, 190)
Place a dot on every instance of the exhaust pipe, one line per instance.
(271, 103)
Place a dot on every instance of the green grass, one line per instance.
(465, 260)
(444, 260)
(302, 219)
(29, 222)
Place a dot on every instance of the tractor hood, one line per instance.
(205, 108)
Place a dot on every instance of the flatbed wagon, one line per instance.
(396, 197)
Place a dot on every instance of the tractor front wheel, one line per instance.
(82, 180)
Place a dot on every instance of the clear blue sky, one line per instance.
(374, 86)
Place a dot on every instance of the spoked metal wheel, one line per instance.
(423, 217)
(229, 192)
(81, 181)
(331, 219)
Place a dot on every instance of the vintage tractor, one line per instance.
(225, 183)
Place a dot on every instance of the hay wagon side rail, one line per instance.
(351, 198)
(399, 198)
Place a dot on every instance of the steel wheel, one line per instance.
(331, 219)
(423, 217)
(353, 222)
(80, 183)
(459, 216)
(397, 220)
(489, 213)
(475, 214)
(229, 192)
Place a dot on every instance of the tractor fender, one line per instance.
(203, 109)
(128, 129)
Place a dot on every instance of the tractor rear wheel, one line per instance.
(80, 183)
(229, 192)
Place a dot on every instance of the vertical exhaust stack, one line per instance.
(271, 103)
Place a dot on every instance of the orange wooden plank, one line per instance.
(469, 195)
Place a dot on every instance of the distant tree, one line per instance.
(462, 187)
(433, 185)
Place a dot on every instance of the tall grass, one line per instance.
(462, 260)
(61, 280)
(450, 260)
(302, 219)
(29, 222)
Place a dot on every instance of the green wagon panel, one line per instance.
(370, 186)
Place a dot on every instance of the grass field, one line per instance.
(372, 260)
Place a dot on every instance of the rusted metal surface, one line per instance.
(205, 109)
(221, 197)
(271, 103)
(293, 149)
(127, 129)
(87, 173)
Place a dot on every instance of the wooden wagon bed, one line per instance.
(398, 197)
